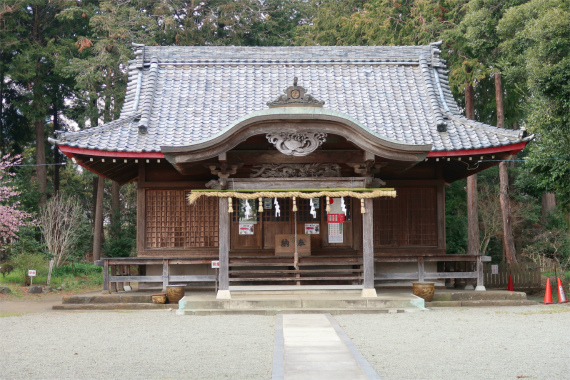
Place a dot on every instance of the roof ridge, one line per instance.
(440, 122)
(146, 104)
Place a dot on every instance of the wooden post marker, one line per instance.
(31, 275)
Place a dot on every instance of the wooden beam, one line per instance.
(442, 275)
(396, 276)
(258, 157)
(295, 183)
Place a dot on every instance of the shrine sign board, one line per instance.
(284, 245)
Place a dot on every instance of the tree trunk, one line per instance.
(38, 113)
(499, 101)
(469, 104)
(55, 149)
(41, 173)
(548, 204)
(98, 224)
(508, 238)
(115, 204)
(473, 242)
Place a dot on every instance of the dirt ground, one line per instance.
(34, 303)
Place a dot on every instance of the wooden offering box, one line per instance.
(285, 246)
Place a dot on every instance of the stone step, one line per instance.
(479, 296)
(188, 303)
(108, 298)
(295, 289)
(333, 311)
(115, 306)
(487, 303)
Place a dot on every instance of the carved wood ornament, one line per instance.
(296, 143)
(296, 170)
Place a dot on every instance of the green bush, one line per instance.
(76, 270)
(25, 261)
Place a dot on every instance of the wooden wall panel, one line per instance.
(409, 220)
(173, 224)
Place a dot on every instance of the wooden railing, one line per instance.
(524, 276)
(117, 271)
(120, 275)
(421, 275)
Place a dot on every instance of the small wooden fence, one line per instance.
(526, 276)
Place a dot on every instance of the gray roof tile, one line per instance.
(185, 95)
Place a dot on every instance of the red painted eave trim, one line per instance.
(512, 149)
(108, 153)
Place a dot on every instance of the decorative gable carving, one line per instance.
(296, 143)
(296, 170)
(295, 96)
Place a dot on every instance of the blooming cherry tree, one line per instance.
(11, 217)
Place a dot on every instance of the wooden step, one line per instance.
(290, 264)
(296, 271)
(347, 278)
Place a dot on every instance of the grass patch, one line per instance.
(5, 315)
(551, 310)
(69, 278)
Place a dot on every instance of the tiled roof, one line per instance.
(186, 95)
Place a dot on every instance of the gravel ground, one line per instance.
(458, 343)
(448, 343)
(135, 345)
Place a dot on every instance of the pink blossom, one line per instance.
(11, 217)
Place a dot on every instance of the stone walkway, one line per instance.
(314, 346)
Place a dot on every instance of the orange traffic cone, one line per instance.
(561, 294)
(511, 288)
(547, 294)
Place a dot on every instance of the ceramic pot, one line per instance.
(174, 293)
(424, 290)
(159, 298)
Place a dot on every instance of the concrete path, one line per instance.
(314, 346)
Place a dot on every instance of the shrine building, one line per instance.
(291, 166)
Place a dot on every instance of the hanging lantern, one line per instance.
(230, 208)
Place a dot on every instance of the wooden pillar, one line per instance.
(368, 249)
(98, 225)
(224, 247)
(480, 283)
(421, 269)
(105, 276)
(164, 274)
(114, 284)
(473, 245)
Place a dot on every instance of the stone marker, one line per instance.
(35, 289)
(5, 290)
